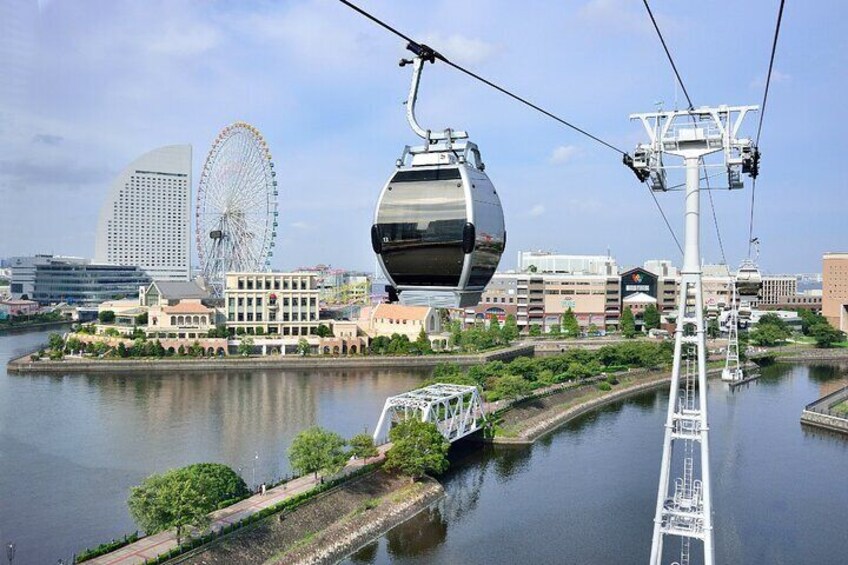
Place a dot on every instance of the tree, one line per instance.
(511, 386)
(302, 346)
(570, 326)
(55, 341)
(417, 448)
(106, 316)
(141, 319)
(825, 334)
(770, 330)
(509, 332)
(422, 343)
(183, 497)
(768, 335)
(317, 450)
(323, 331)
(362, 447)
(628, 323)
(651, 317)
(195, 350)
(810, 319)
(181, 350)
(555, 330)
(535, 330)
(245, 346)
(713, 329)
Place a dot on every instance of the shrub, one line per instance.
(604, 386)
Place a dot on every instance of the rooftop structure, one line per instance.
(145, 218)
(547, 262)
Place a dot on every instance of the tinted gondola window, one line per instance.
(420, 223)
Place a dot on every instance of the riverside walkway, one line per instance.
(150, 547)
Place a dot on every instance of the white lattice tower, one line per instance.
(732, 371)
(684, 504)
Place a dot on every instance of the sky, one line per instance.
(88, 86)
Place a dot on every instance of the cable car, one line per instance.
(438, 227)
(749, 282)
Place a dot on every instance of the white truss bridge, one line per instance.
(457, 410)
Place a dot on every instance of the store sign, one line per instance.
(638, 281)
(567, 303)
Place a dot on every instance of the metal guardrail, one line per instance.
(814, 406)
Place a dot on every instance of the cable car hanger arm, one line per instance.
(424, 53)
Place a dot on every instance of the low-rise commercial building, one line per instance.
(389, 319)
(275, 304)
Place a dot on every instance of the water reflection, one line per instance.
(418, 535)
(72, 445)
(586, 494)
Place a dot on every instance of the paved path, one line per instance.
(151, 546)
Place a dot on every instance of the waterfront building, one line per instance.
(835, 289)
(389, 319)
(12, 307)
(269, 303)
(188, 319)
(145, 218)
(51, 280)
(547, 262)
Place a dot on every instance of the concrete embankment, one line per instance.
(578, 401)
(326, 529)
(824, 421)
(813, 355)
(822, 413)
(69, 366)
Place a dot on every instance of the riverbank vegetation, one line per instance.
(523, 375)
(184, 497)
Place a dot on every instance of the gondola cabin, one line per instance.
(439, 228)
(749, 282)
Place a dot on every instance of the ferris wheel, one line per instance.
(236, 214)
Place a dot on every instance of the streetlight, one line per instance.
(10, 552)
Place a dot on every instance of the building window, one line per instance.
(250, 301)
(259, 301)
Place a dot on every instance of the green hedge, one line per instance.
(104, 548)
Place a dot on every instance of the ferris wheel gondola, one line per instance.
(438, 228)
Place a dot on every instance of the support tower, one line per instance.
(684, 503)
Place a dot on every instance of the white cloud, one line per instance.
(777, 77)
(563, 154)
(461, 49)
(536, 211)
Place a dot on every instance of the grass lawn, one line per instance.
(841, 408)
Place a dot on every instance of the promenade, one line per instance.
(150, 547)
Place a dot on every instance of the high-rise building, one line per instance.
(145, 220)
(835, 289)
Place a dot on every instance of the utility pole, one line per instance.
(684, 501)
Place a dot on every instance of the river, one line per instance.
(72, 446)
(585, 494)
